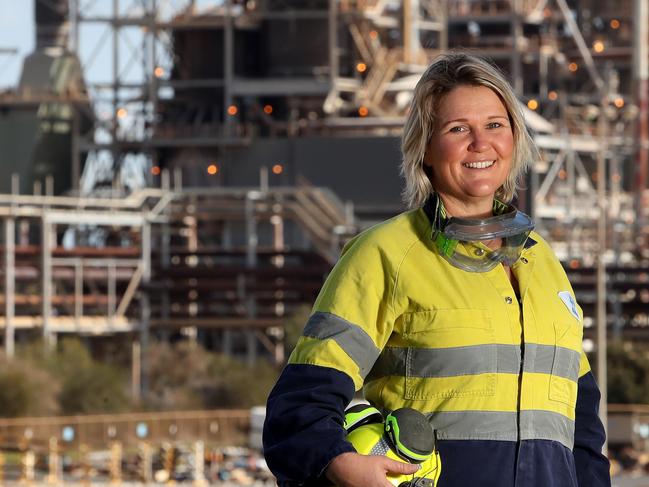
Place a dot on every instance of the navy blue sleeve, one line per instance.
(304, 429)
(593, 469)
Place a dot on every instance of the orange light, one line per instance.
(278, 169)
(532, 104)
(619, 102)
(268, 109)
(361, 67)
(598, 46)
(233, 110)
(122, 112)
(363, 111)
(374, 35)
(212, 169)
(562, 174)
(159, 72)
(155, 170)
(574, 264)
(553, 95)
(615, 24)
(573, 67)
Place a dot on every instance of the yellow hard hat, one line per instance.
(405, 436)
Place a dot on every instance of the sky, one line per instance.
(16, 32)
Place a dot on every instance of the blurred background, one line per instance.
(177, 178)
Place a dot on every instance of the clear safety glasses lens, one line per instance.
(463, 242)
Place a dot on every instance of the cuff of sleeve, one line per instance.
(344, 447)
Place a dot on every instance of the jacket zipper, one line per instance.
(520, 392)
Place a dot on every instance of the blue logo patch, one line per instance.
(570, 303)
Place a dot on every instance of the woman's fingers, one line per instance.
(355, 470)
(401, 468)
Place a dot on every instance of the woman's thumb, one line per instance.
(394, 466)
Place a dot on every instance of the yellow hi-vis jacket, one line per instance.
(502, 378)
(414, 331)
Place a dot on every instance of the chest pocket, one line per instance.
(451, 353)
(565, 364)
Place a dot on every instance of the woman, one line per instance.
(470, 320)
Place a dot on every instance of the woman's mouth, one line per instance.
(479, 164)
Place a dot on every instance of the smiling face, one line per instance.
(470, 151)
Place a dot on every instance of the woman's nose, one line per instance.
(479, 142)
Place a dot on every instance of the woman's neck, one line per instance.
(480, 208)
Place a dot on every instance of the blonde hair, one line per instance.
(447, 72)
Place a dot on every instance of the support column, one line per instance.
(145, 305)
(10, 285)
(641, 81)
(601, 268)
(252, 241)
(228, 67)
(46, 281)
(411, 42)
(332, 40)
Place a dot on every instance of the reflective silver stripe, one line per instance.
(546, 425)
(566, 363)
(478, 359)
(352, 338)
(448, 362)
(502, 426)
(475, 425)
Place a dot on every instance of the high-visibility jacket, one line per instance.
(499, 371)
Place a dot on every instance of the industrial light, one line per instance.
(278, 169)
(212, 169)
(572, 67)
(122, 112)
(532, 104)
(268, 109)
(363, 111)
(553, 95)
(619, 102)
(598, 46)
(233, 110)
(155, 170)
(159, 72)
(615, 24)
(373, 35)
(361, 67)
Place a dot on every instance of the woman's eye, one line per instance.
(457, 128)
(495, 125)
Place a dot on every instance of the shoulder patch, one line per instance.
(570, 303)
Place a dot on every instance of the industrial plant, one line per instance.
(186, 169)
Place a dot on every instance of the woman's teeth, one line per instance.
(479, 165)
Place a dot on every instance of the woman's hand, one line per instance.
(356, 470)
